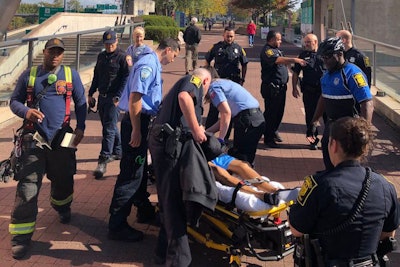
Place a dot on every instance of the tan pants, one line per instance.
(191, 57)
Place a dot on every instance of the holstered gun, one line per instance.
(385, 246)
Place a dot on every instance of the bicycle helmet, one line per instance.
(330, 46)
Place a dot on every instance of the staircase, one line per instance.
(90, 47)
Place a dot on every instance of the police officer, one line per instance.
(227, 56)
(140, 100)
(181, 169)
(47, 89)
(274, 76)
(192, 37)
(353, 55)
(343, 85)
(110, 74)
(328, 206)
(310, 83)
(234, 101)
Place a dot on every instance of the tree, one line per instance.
(263, 7)
(58, 3)
(75, 5)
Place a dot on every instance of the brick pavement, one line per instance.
(84, 243)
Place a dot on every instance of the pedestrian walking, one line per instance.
(109, 79)
(47, 91)
(251, 32)
(192, 37)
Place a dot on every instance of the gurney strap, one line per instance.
(231, 205)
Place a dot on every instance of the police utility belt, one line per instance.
(173, 138)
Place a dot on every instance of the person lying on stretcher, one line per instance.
(222, 167)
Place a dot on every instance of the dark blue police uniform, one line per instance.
(310, 84)
(227, 58)
(326, 200)
(274, 78)
(341, 90)
(110, 74)
(182, 172)
(355, 56)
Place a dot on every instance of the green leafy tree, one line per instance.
(75, 5)
(263, 7)
(58, 3)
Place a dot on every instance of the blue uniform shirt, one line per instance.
(136, 52)
(52, 105)
(145, 78)
(237, 96)
(341, 88)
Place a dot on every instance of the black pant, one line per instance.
(172, 241)
(249, 127)
(274, 102)
(131, 185)
(310, 100)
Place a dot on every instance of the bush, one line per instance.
(160, 27)
(157, 33)
(153, 20)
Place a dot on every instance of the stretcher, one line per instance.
(264, 234)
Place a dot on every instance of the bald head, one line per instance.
(311, 42)
(205, 76)
(346, 37)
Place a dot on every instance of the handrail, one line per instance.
(31, 42)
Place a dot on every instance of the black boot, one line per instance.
(20, 245)
(145, 212)
(101, 167)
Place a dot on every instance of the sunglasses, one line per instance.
(328, 56)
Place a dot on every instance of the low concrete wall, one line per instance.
(60, 23)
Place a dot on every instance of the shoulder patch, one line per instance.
(145, 73)
(366, 62)
(129, 60)
(306, 189)
(196, 81)
(359, 79)
(269, 52)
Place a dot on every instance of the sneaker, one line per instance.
(65, 216)
(277, 137)
(100, 170)
(116, 157)
(146, 213)
(271, 144)
(19, 251)
(127, 234)
(313, 147)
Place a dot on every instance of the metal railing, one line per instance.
(385, 63)
(30, 42)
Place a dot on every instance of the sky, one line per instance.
(83, 2)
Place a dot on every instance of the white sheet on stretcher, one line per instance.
(249, 202)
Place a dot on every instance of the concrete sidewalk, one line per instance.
(84, 241)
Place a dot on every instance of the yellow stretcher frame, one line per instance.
(233, 252)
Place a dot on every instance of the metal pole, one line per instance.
(78, 52)
(30, 54)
